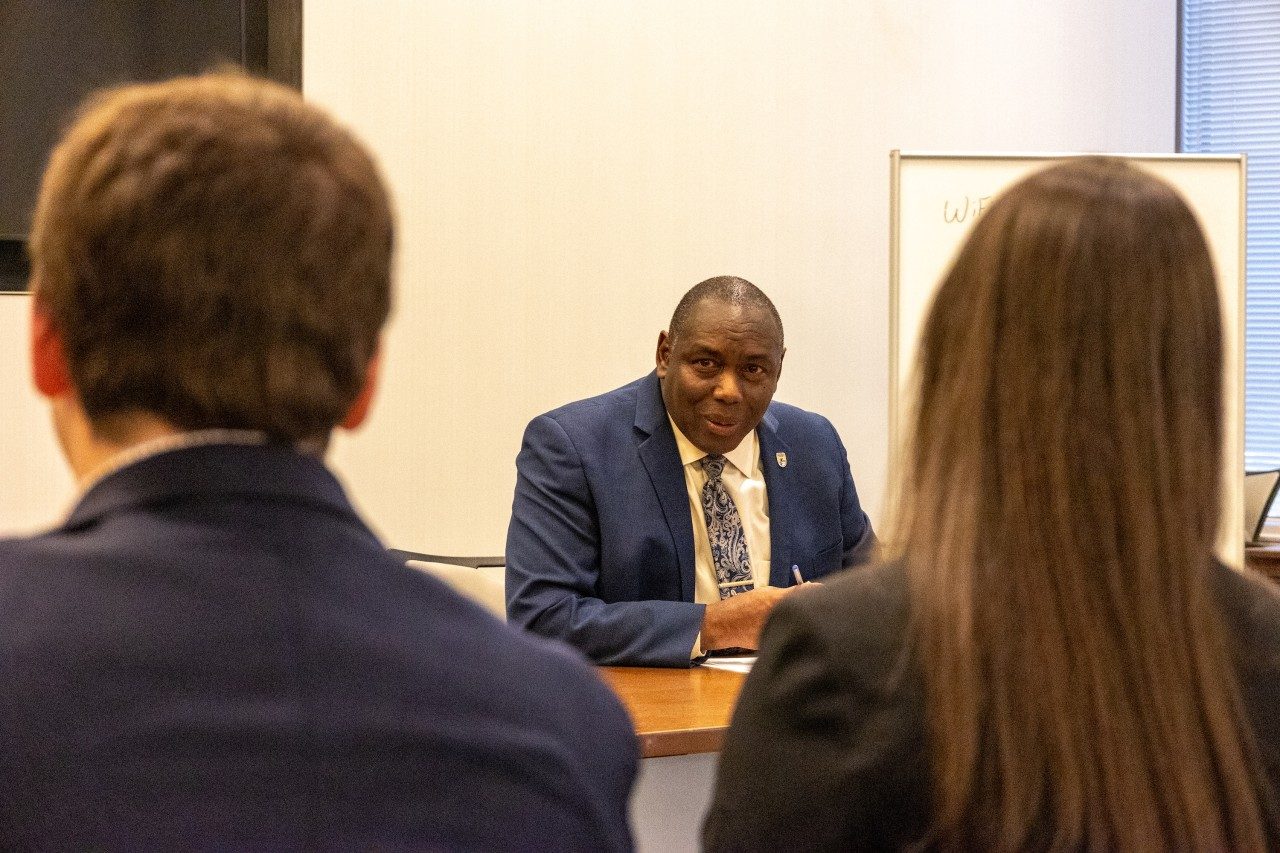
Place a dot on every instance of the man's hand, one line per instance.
(736, 622)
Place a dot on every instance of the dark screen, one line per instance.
(52, 54)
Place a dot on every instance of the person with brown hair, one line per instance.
(1050, 657)
(214, 650)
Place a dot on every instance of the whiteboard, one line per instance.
(935, 199)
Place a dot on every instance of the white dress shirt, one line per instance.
(743, 479)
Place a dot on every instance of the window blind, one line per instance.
(1230, 103)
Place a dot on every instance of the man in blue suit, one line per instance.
(213, 651)
(664, 520)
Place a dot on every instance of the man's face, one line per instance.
(719, 375)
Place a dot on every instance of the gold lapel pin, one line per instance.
(782, 459)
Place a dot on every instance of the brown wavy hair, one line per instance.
(1058, 514)
(215, 251)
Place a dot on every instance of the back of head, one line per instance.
(1072, 361)
(1057, 524)
(216, 252)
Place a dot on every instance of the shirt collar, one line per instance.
(743, 457)
(167, 443)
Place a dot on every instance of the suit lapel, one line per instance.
(661, 460)
(780, 486)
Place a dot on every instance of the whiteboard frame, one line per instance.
(1230, 540)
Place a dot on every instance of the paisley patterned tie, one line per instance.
(724, 530)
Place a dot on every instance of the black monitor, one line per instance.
(53, 54)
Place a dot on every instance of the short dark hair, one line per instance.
(216, 252)
(722, 288)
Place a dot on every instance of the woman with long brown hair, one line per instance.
(1049, 656)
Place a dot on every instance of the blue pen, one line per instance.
(795, 573)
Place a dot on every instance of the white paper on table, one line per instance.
(740, 664)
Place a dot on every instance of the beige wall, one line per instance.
(35, 488)
(565, 170)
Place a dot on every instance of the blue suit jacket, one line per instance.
(215, 652)
(600, 547)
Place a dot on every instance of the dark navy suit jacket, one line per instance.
(215, 652)
(600, 547)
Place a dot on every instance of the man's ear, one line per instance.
(780, 358)
(663, 355)
(49, 369)
(363, 402)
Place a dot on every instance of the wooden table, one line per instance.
(676, 711)
(1264, 559)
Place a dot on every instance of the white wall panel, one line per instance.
(565, 169)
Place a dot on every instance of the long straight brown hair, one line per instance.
(1056, 521)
